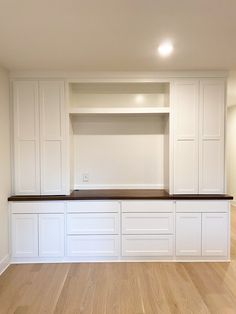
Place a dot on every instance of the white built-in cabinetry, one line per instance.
(120, 230)
(177, 128)
(39, 137)
(199, 115)
(37, 230)
(119, 133)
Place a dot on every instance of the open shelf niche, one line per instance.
(121, 98)
(119, 135)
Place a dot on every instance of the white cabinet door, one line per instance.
(188, 234)
(52, 137)
(211, 149)
(24, 235)
(26, 137)
(215, 234)
(51, 235)
(185, 118)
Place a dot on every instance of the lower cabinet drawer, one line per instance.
(147, 245)
(93, 223)
(147, 223)
(93, 245)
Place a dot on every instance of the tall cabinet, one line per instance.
(199, 115)
(39, 137)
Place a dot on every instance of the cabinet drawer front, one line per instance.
(202, 206)
(93, 207)
(148, 206)
(147, 245)
(52, 207)
(102, 223)
(25, 207)
(148, 223)
(90, 245)
(37, 207)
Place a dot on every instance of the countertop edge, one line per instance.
(118, 195)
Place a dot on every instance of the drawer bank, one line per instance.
(84, 227)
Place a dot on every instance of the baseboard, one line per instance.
(4, 263)
(117, 186)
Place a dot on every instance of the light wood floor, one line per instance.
(124, 288)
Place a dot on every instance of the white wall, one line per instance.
(119, 151)
(231, 135)
(5, 178)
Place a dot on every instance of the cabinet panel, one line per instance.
(185, 120)
(102, 223)
(147, 245)
(186, 167)
(24, 235)
(202, 206)
(211, 149)
(51, 235)
(90, 245)
(188, 234)
(93, 206)
(147, 206)
(214, 234)
(52, 126)
(186, 109)
(212, 167)
(26, 137)
(147, 223)
(212, 107)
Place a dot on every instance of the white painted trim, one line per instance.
(233, 203)
(145, 110)
(4, 263)
(151, 259)
(114, 76)
(118, 186)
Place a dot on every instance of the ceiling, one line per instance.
(117, 35)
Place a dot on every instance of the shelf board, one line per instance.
(137, 110)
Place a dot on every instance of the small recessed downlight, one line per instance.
(165, 49)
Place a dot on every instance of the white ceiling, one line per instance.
(117, 35)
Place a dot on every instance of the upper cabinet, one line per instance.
(158, 133)
(39, 137)
(185, 120)
(198, 119)
(52, 139)
(26, 137)
(211, 133)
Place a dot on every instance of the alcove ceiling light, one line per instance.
(165, 49)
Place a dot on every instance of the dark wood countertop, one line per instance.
(118, 195)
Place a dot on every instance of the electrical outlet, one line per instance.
(85, 177)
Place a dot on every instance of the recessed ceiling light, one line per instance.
(165, 49)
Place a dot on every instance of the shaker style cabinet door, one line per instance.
(26, 137)
(24, 235)
(211, 149)
(52, 137)
(188, 234)
(51, 235)
(214, 234)
(185, 120)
